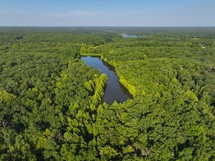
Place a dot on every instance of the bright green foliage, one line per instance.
(51, 103)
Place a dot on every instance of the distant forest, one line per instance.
(51, 102)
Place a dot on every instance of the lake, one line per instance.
(114, 90)
(129, 36)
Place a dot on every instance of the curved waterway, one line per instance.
(114, 90)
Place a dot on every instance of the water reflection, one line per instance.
(114, 90)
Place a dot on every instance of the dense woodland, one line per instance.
(51, 102)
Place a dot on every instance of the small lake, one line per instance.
(129, 36)
(114, 90)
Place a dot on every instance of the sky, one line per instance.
(107, 12)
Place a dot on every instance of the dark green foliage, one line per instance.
(50, 101)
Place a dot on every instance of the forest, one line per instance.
(51, 102)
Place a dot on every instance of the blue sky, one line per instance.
(107, 12)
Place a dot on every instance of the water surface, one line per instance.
(114, 90)
(129, 36)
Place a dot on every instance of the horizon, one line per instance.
(112, 13)
(113, 26)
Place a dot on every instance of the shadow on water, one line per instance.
(114, 90)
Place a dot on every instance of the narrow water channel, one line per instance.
(114, 90)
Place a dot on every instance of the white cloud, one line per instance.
(84, 13)
(72, 14)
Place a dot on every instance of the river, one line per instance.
(114, 90)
